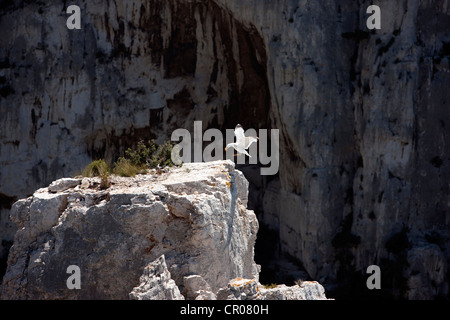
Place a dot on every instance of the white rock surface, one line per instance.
(251, 289)
(156, 284)
(63, 184)
(308, 290)
(193, 215)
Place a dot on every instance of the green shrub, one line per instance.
(135, 161)
(96, 168)
(162, 157)
(125, 168)
(142, 153)
(150, 154)
(104, 181)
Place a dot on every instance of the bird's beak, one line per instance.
(225, 149)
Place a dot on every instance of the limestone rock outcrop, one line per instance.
(192, 218)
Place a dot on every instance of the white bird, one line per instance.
(242, 142)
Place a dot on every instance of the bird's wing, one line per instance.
(239, 133)
(249, 141)
(230, 145)
(240, 149)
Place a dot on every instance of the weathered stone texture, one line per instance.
(363, 115)
(115, 234)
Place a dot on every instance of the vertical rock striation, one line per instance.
(363, 116)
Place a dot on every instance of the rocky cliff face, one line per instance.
(364, 164)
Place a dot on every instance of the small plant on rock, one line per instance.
(148, 155)
(299, 282)
(104, 181)
(96, 168)
(270, 286)
(141, 154)
(125, 168)
(162, 157)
